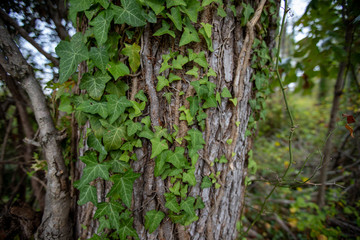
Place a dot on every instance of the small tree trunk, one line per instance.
(55, 222)
(333, 115)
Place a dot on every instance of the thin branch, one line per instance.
(26, 36)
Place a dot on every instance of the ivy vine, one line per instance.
(118, 125)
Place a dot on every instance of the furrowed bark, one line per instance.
(222, 206)
(55, 222)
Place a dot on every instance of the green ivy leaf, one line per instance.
(104, 3)
(114, 137)
(206, 182)
(179, 62)
(207, 39)
(162, 132)
(210, 102)
(188, 206)
(153, 219)
(94, 107)
(123, 186)
(247, 11)
(193, 72)
(188, 36)
(201, 60)
(207, 28)
(71, 54)
(218, 98)
(126, 230)
(175, 189)
(133, 52)
(192, 9)
(111, 209)
(192, 55)
(101, 24)
(234, 101)
(168, 95)
(95, 84)
(160, 162)
(200, 89)
(133, 127)
(194, 104)
(146, 133)
(158, 146)
(141, 96)
(211, 72)
(103, 223)
(130, 13)
(171, 203)
(162, 82)
(100, 57)
(199, 203)
(66, 104)
(196, 138)
(170, 3)
(175, 17)
(119, 88)
(156, 5)
(78, 6)
(87, 194)
(95, 143)
(189, 177)
(223, 159)
(165, 29)
(173, 77)
(92, 170)
(221, 12)
(118, 69)
(226, 93)
(116, 106)
(207, 2)
(177, 158)
(119, 166)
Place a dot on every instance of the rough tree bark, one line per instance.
(232, 50)
(56, 223)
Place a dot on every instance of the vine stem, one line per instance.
(292, 129)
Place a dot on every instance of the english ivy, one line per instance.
(118, 125)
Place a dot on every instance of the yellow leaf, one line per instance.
(277, 144)
(299, 189)
(293, 210)
(322, 237)
(267, 226)
(286, 164)
(292, 222)
(304, 179)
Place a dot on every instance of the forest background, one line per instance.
(313, 115)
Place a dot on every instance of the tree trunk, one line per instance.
(339, 85)
(217, 220)
(55, 222)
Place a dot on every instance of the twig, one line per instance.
(284, 226)
(3, 145)
(32, 142)
(26, 36)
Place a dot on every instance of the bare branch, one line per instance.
(26, 36)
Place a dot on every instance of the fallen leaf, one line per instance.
(351, 130)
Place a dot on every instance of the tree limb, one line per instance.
(55, 222)
(26, 36)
